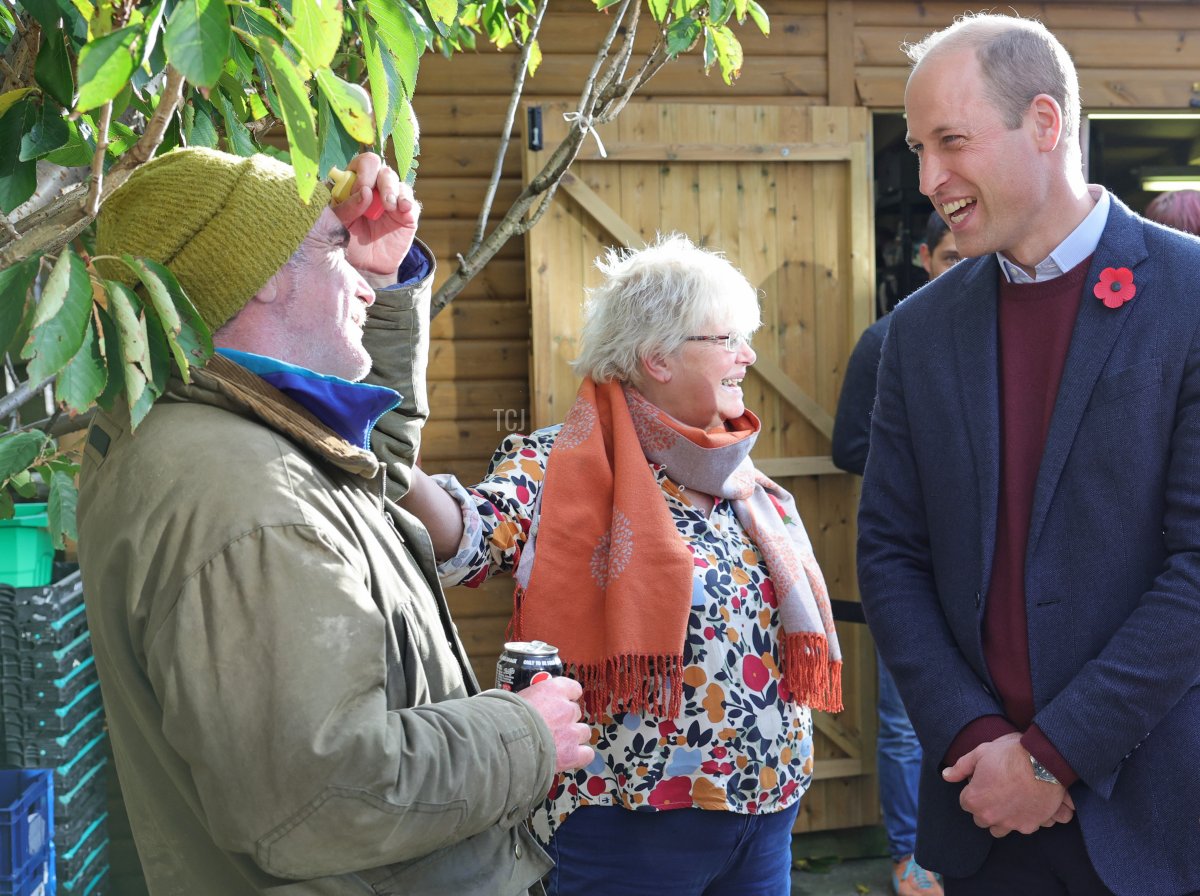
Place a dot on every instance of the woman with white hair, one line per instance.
(677, 582)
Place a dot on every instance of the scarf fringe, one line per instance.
(631, 683)
(808, 672)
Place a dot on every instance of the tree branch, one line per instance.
(506, 134)
(11, 402)
(514, 223)
(92, 204)
(12, 232)
(152, 138)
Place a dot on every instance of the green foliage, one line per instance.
(338, 75)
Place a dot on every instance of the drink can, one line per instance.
(526, 662)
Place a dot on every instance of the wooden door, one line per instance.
(785, 192)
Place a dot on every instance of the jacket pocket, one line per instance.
(1125, 382)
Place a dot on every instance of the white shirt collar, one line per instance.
(1079, 244)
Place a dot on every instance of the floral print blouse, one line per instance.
(739, 745)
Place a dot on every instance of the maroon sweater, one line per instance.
(1036, 322)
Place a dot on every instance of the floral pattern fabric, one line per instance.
(739, 744)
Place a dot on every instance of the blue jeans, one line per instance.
(684, 852)
(899, 755)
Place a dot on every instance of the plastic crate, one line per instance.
(37, 881)
(26, 552)
(56, 751)
(26, 822)
(78, 857)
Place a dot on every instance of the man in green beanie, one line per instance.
(291, 709)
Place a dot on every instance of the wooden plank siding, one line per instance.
(819, 53)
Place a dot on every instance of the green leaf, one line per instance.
(120, 138)
(719, 11)
(23, 484)
(316, 30)
(377, 77)
(58, 323)
(18, 179)
(198, 125)
(297, 114)
(12, 97)
(135, 352)
(351, 103)
(237, 135)
(337, 147)
(151, 273)
(50, 14)
(681, 35)
(659, 9)
(75, 152)
(110, 348)
(399, 39)
(14, 297)
(49, 132)
(7, 509)
(19, 450)
(105, 67)
(605, 4)
(188, 336)
(197, 40)
(729, 52)
(535, 58)
(444, 12)
(53, 68)
(759, 15)
(404, 138)
(80, 383)
(160, 355)
(60, 508)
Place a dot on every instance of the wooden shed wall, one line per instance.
(820, 52)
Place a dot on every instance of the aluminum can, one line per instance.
(526, 662)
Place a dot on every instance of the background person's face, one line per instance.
(943, 257)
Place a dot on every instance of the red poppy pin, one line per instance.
(1115, 287)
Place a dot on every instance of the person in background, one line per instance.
(898, 751)
(290, 706)
(1030, 502)
(1179, 209)
(678, 583)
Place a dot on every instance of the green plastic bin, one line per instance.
(26, 552)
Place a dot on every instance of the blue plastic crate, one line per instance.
(37, 881)
(26, 822)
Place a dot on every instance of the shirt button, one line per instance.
(514, 813)
(517, 851)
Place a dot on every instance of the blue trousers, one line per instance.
(684, 852)
(899, 756)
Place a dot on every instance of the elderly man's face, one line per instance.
(985, 180)
(324, 304)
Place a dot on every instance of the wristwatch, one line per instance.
(1041, 772)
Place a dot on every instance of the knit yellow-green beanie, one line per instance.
(223, 224)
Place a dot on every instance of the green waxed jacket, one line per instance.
(290, 706)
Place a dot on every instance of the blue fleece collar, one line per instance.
(349, 409)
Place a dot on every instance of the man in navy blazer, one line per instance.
(1031, 501)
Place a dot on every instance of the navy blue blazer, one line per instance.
(1112, 566)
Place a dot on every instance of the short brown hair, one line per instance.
(1019, 59)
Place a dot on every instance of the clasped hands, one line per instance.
(1002, 794)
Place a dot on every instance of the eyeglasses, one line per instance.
(731, 342)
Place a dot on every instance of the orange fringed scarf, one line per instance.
(603, 581)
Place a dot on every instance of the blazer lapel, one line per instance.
(975, 340)
(1096, 330)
